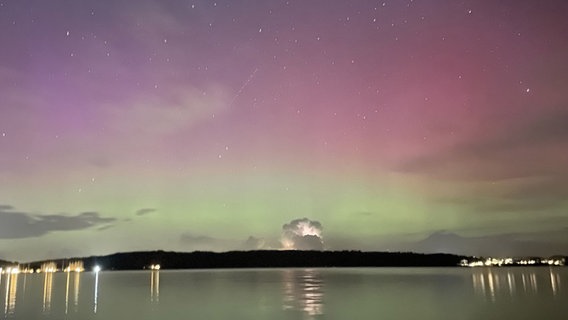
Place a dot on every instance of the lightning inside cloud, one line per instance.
(302, 234)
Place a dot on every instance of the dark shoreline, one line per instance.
(257, 259)
(260, 259)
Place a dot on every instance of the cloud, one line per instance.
(547, 189)
(178, 107)
(308, 242)
(17, 225)
(541, 243)
(194, 242)
(548, 128)
(532, 147)
(145, 211)
(302, 234)
(253, 243)
(205, 243)
(105, 227)
(500, 203)
(534, 194)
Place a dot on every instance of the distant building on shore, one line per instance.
(75, 266)
(48, 267)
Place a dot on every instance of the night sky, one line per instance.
(424, 125)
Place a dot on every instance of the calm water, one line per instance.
(378, 293)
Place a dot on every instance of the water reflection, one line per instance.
(76, 286)
(155, 286)
(496, 283)
(74, 290)
(47, 289)
(554, 281)
(96, 292)
(303, 290)
(11, 293)
(67, 294)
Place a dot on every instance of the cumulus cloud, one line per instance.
(253, 243)
(302, 234)
(16, 225)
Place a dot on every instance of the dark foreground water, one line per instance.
(377, 293)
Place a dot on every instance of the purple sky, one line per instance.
(203, 125)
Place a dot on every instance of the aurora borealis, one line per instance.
(208, 125)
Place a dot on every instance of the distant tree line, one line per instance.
(260, 259)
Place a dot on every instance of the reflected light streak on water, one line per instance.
(303, 291)
(290, 294)
(7, 288)
(76, 283)
(13, 293)
(554, 281)
(534, 284)
(511, 283)
(548, 283)
(47, 289)
(491, 286)
(96, 291)
(25, 282)
(158, 286)
(155, 286)
(67, 294)
(11, 290)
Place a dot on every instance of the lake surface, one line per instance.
(367, 293)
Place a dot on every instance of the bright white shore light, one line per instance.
(97, 269)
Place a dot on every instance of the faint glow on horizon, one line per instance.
(287, 244)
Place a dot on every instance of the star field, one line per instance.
(199, 125)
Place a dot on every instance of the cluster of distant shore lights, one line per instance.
(498, 262)
(52, 269)
(77, 266)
